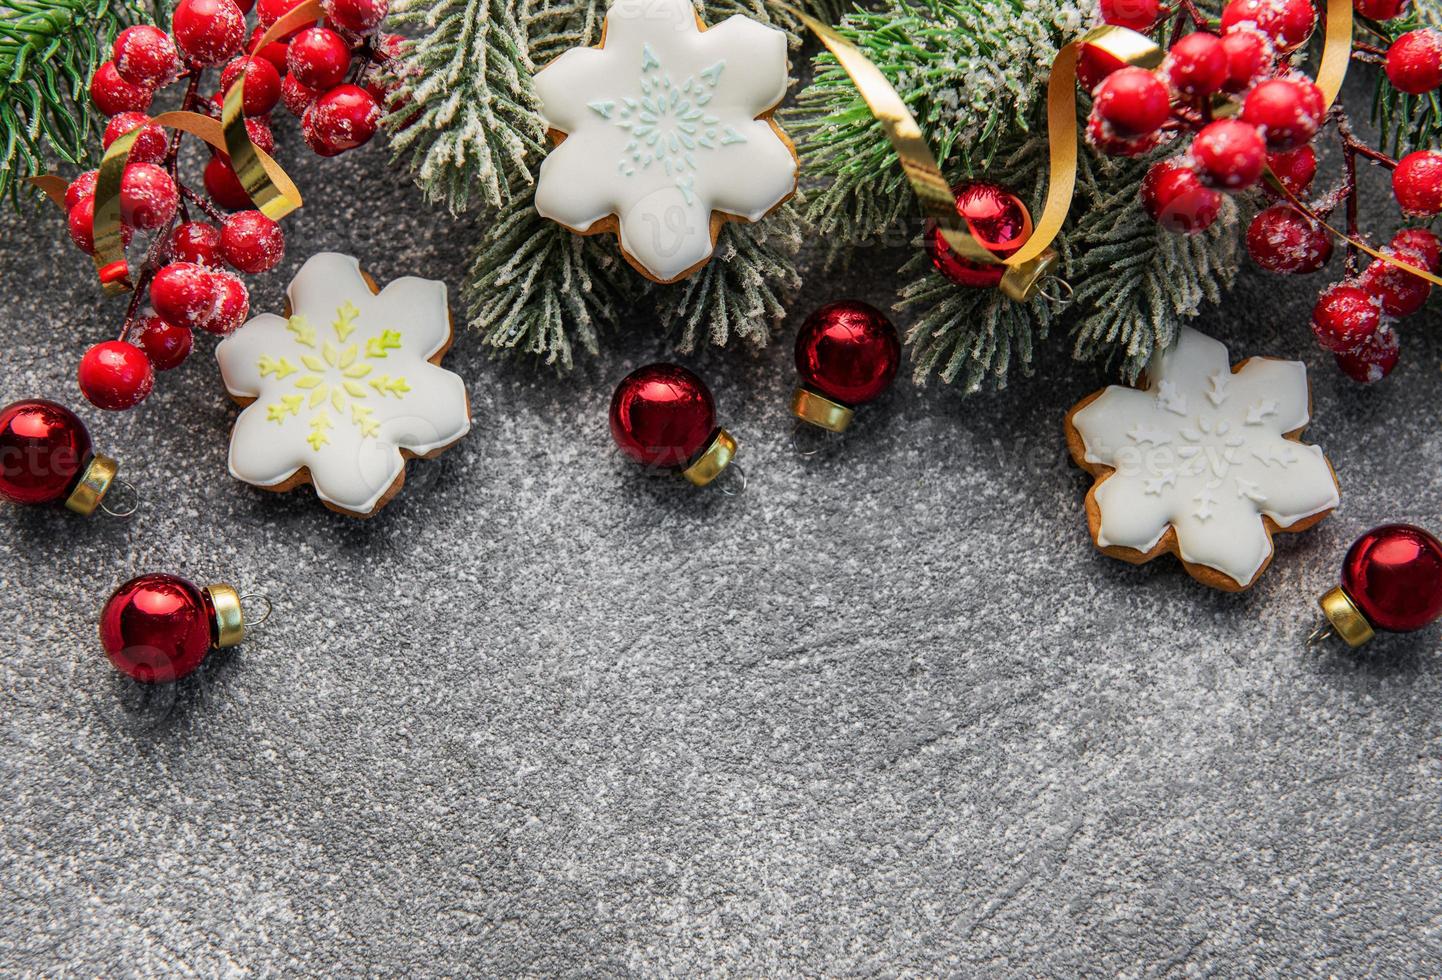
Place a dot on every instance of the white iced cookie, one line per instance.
(665, 133)
(342, 390)
(1206, 462)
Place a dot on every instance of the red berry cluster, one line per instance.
(1280, 112)
(330, 76)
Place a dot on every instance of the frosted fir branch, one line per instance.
(469, 126)
(1136, 282)
(1407, 122)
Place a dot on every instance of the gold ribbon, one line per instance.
(269, 187)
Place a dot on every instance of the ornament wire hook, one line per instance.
(808, 440)
(257, 597)
(1321, 635)
(1056, 291)
(127, 501)
(734, 483)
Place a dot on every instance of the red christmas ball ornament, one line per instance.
(847, 354)
(207, 31)
(1288, 23)
(664, 416)
(1281, 239)
(116, 376)
(1414, 62)
(1417, 183)
(1391, 583)
(996, 218)
(112, 94)
(160, 628)
(1173, 195)
(1288, 112)
(46, 456)
(1375, 359)
(1229, 154)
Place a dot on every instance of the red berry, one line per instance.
(1380, 9)
(184, 294)
(81, 224)
(297, 97)
(1375, 359)
(115, 375)
(262, 83)
(274, 52)
(1196, 65)
(1282, 239)
(1296, 169)
(223, 186)
(113, 94)
(388, 48)
(208, 31)
(149, 146)
(318, 58)
(1288, 23)
(232, 305)
(1133, 101)
(1229, 154)
(270, 11)
(1139, 15)
(340, 120)
(1400, 292)
(364, 16)
(80, 188)
(1250, 55)
(195, 242)
(166, 344)
(1288, 111)
(1417, 183)
(1175, 198)
(1423, 244)
(1093, 65)
(1414, 62)
(251, 242)
(148, 197)
(1345, 316)
(1101, 136)
(145, 56)
(260, 133)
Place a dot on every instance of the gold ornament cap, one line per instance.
(94, 484)
(821, 411)
(228, 623)
(1346, 618)
(710, 464)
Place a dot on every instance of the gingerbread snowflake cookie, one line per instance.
(665, 133)
(345, 387)
(1206, 462)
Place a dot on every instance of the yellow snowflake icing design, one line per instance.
(337, 376)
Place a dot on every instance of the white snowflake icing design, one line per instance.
(1203, 450)
(662, 130)
(344, 384)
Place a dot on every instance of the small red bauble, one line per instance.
(1399, 291)
(115, 375)
(149, 145)
(1139, 15)
(1197, 65)
(1422, 243)
(251, 242)
(159, 628)
(1417, 183)
(1375, 359)
(148, 197)
(145, 56)
(1281, 239)
(1296, 169)
(342, 119)
(196, 242)
(1133, 102)
(1414, 62)
(207, 31)
(356, 16)
(996, 218)
(1288, 111)
(44, 452)
(1173, 195)
(1380, 9)
(1229, 154)
(166, 344)
(848, 353)
(1393, 575)
(1250, 55)
(318, 58)
(222, 184)
(262, 83)
(113, 94)
(1345, 317)
(662, 415)
(1288, 23)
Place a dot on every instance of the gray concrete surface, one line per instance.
(888, 712)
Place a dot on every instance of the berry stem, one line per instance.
(1199, 19)
(211, 211)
